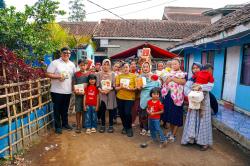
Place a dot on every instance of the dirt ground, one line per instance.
(71, 149)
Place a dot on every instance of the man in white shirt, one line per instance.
(61, 71)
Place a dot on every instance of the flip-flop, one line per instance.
(144, 145)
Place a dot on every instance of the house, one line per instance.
(82, 32)
(226, 45)
(113, 36)
(186, 14)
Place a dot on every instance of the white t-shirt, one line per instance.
(58, 66)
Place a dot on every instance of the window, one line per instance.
(207, 57)
(245, 69)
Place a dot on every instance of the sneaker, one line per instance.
(68, 127)
(110, 129)
(148, 133)
(88, 131)
(124, 131)
(58, 131)
(169, 134)
(172, 138)
(102, 129)
(130, 133)
(93, 130)
(143, 132)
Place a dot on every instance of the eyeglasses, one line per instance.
(65, 53)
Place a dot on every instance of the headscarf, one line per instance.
(196, 64)
(106, 60)
(150, 67)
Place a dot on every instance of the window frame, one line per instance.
(242, 64)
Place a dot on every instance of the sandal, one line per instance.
(204, 147)
(78, 130)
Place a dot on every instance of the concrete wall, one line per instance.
(126, 44)
(242, 99)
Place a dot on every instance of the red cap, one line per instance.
(154, 77)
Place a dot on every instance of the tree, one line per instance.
(2, 4)
(77, 12)
(27, 32)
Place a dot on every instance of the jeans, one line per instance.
(90, 117)
(60, 106)
(154, 126)
(103, 110)
(125, 107)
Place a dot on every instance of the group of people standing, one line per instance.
(155, 96)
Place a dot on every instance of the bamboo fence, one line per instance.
(19, 102)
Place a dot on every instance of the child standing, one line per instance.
(91, 104)
(154, 109)
(80, 77)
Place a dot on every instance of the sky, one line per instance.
(152, 9)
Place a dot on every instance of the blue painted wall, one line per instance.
(242, 99)
(197, 55)
(90, 51)
(218, 73)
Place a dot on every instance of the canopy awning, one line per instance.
(156, 52)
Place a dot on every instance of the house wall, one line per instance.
(242, 98)
(126, 44)
(90, 51)
(218, 74)
(218, 66)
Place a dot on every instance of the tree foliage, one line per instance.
(77, 12)
(27, 32)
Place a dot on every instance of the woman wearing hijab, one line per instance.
(106, 87)
(198, 129)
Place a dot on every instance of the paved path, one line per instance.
(71, 149)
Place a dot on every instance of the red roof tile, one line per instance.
(136, 28)
(227, 22)
(85, 28)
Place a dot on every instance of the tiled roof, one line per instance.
(180, 17)
(85, 28)
(186, 14)
(136, 28)
(227, 22)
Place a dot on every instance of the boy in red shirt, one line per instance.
(154, 109)
(91, 104)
